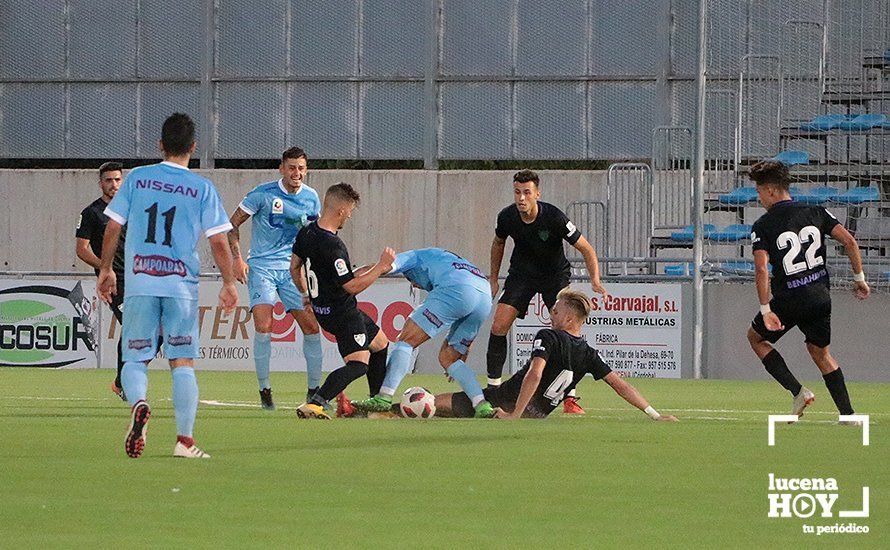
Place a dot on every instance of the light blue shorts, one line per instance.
(463, 308)
(144, 317)
(267, 285)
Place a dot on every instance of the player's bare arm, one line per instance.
(592, 262)
(529, 385)
(107, 284)
(630, 394)
(85, 253)
(228, 294)
(851, 247)
(761, 278)
(497, 256)
(366, 279)
(239, 266)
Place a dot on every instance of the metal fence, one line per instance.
(398, 79)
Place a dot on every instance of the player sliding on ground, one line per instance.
(332, 287)
(279, 210)
(459, 298)
(560, 359)
(791, 237)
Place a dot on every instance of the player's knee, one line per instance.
(448, 355)
(818, 354)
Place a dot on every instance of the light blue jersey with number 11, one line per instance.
(167, 208)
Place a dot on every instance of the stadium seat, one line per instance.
(823, 123)
(818, 195)
(886, 275)
(859, 195)
(741, 195)
(687, 234)
(862, 122)
(678, 270)
(790, 158)
(731, 233)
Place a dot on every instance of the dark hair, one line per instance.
(178, 134)
(294, 153)
(342, 192)
(111, 166)
(525, 176)
(770, 172)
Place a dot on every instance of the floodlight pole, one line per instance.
(698, 196)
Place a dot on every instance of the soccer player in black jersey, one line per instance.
(538, 265)
(90, 232)
(332, 287)
(791, 238)
(559, 360)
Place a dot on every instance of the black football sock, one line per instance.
(377, 370)
(777, 368)
(338, 380)
(120, 363)
(834, 381)
(496, 356)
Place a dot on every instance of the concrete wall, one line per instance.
(455, 210)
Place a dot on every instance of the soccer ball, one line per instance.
(418, 403)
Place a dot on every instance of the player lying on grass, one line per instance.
(459, 298)
(791, 237)
(560, 359)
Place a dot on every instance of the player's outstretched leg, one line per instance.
(396, 369)
(466, 378)
(335, 383)
(313, 354)
(775, 365)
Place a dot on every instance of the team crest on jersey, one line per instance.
(341, 267)
(544, 234)
(277, 206)
(359, 339)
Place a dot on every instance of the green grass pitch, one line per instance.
(611, 478)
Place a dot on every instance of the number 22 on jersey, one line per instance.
(809, 234)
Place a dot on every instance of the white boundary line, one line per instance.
(861, 418)
(771, 426)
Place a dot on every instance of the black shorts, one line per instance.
(519, 291)
(812, 317)
(353, 329)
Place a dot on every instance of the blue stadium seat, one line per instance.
(823, 123)
(741, 195)
(863, 122)
(818, 195)
(678, 270)
(790, 158)
(740, 267)
(687, 234)
(859, 195)
(886, 275)
(731, 233)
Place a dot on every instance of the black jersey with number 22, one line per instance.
(794, 237)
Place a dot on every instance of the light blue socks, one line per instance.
(465, 376)
(397, 368)
(134, 379)
(185, 399)
(262, 351)
(312, 353)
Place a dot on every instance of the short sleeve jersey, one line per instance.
(568, 358)
(430, 268)
(91, 226)
(328, 268)
(167, 209)
(277, 218)
(794, 237)
(537, 253)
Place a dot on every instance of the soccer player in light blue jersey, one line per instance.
(459, 298)
(279, 210)
(166, 209)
